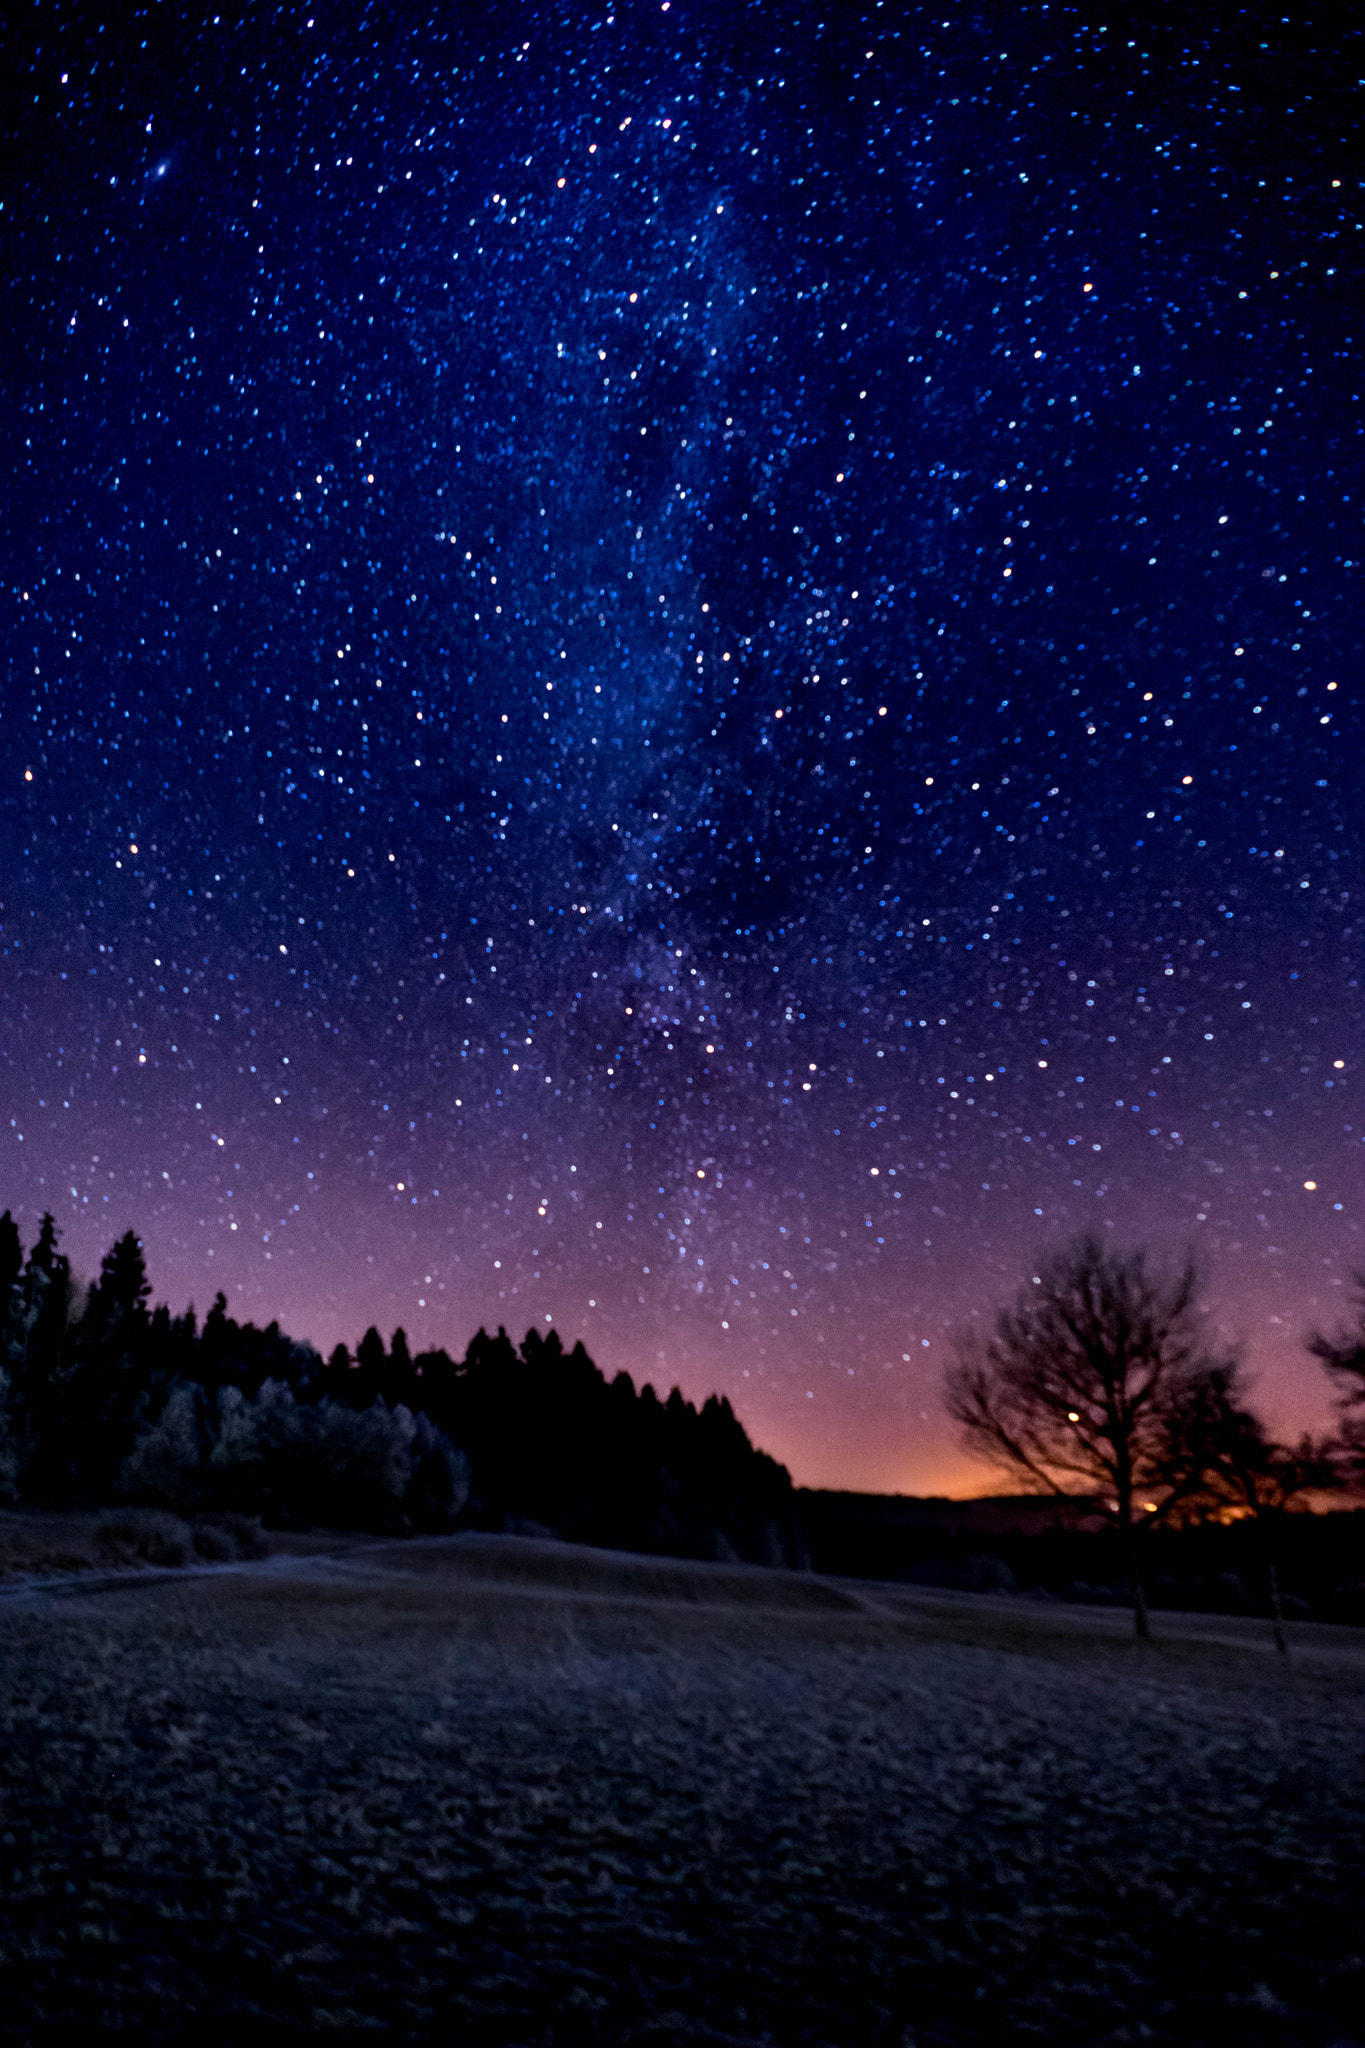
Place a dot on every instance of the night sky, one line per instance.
(692, 673)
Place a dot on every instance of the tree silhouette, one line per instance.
(1344, 1358)
(45, 1291)
(120, 1294)
(114, 1372)
(108, 1395)
(11, 1266)
(39, 1346)
(1243, 1473)
(1085, 1387)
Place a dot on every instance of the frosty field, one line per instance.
(500, 1790)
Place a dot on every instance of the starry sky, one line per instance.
(691, 672)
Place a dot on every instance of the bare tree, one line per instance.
(1085, 1387)
(1344, 1358)
(1239, 1472)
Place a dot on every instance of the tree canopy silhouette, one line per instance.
(1087, 1385)
(1343, 1355)
(103, 1398)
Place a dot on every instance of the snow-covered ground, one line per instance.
(532, 1794)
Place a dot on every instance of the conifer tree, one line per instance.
(11, 1266)
(369, 1353)
(39, 1347)
(122, 1290)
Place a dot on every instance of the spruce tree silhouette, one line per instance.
(369, 1352)
(122, 1290)
(12, 1431)
(110, 1379)
(551, 1443)
(11, 1266)
(46, 1291)
(38, 1351)
(367, 1381)
(214, 1344)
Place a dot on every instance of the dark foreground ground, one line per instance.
(494, 1790)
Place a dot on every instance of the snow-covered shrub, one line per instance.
(296, 1461)
(166, 1461)
(439, 1483)
(363, 1452)
(212, 1542)
(332, 1464)
(145, 1536)
(222, 1538)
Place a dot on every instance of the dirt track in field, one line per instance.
(514, 1792)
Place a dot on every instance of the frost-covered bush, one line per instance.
(166, 1461)
(438, 1485)
(332, 1464)
(145, 1536)
(223, 1538)
(296, 1461)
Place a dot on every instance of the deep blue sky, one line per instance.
(692, 670)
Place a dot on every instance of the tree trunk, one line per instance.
(1276, 1611)
(1141, 1625)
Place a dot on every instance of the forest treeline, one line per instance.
(1102, 1387)
(105, 1400)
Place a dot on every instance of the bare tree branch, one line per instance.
(1089, 1381)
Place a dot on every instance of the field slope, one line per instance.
(508, 1791)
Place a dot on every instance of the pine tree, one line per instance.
(44, 1307)
(369, 1352)
(11, 1266)
(39, 1348)
(118, 1373)
(120, 1294)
